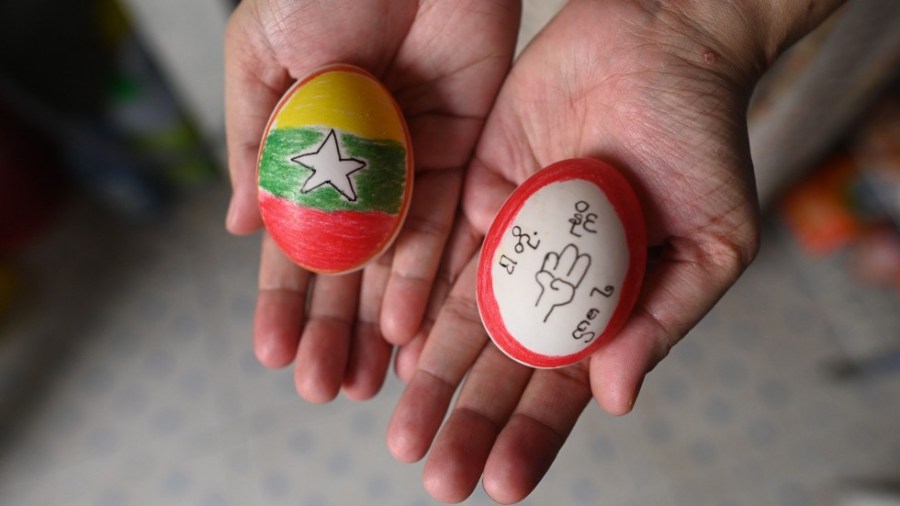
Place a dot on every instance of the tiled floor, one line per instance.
(127, 378)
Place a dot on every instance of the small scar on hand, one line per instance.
(710, 57)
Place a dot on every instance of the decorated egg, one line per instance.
(335, 170)
(562, 264)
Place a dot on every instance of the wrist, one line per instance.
(742, 37)
(782, 23)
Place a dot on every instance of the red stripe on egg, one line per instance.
(327, 242)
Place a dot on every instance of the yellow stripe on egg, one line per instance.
(345, 100)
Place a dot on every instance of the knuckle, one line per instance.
(733, 255)
(729, 252)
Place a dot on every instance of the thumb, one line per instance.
(253, 85)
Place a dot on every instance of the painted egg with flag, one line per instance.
(562, 264)
(335, 170)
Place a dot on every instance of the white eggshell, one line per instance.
(562, 264)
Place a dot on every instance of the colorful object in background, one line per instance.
(819, 211)
(877, 151)
(852, 202)
(30, 183)
(8, 290)
(163, 154)
(143, 111)
(562, 264)
(119, 132)
(335, 170)
(876, 260)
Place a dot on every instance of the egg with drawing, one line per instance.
(335, 170)
(562, 264)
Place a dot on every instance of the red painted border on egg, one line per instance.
(410, 164)
(627, 207)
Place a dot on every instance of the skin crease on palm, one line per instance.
(659, 89)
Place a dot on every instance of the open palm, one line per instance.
(664, 103)
(443, 62)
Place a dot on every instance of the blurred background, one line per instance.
(126, 371)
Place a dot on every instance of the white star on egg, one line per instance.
(329, 167)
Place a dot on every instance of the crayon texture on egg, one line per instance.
(335, 170)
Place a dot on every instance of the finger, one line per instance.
(679, 291)
(489, 395)
(446, 89)
(452, 347)
(370, 354)
(325, 343)
(253, 85)
(407, 357)
(455, 57)
(280, 306)
(540, 425)
(462, 244)
(418, 253)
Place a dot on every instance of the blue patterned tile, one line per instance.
(602, 449)
(176, 483)
(675, 390)
(363, 424)
(584, 491)
(65, 422)
(703, 452)
(112, 497)
(301, 442)
(688, 352)
(214, 498)
(160, 363)
(659, 430)
(718, 411)
(339, 463)
(794, 494)
(316, 500)
(378, 487)
(96, 380)
(194, 384)
(101, 440)
(762, 432)
(124, 344)
(241, 308)
(250, 366)
(732, 373)
(275, 485)
(745, 334)
(774, 393)
(167, 420)
(185, 326)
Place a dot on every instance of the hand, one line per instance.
(661, 94)
(559, 277)
(443, 62)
